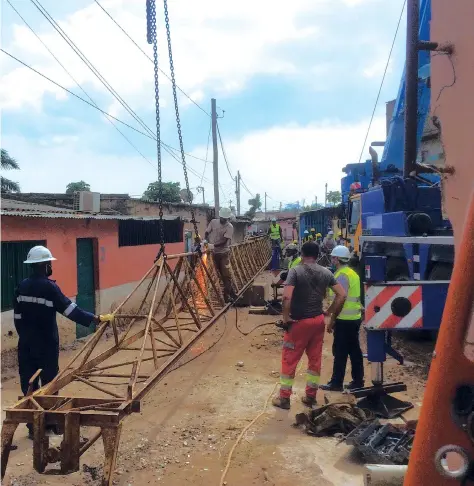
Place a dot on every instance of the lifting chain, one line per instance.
(178, 122)
(151, 39)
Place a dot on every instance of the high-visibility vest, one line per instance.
(294, 262)
(352, 306)
(275, 232)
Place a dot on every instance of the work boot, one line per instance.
(308, 401)
(281, 402)
(331, 386)
(353, 385)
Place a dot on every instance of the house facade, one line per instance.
(100, 258)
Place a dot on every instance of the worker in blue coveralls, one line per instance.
(37, 299)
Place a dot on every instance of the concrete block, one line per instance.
(253, 296)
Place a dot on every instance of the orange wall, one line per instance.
(116, 265)
(452, 100)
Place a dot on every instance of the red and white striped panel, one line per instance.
(380, 296)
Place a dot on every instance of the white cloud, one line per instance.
(376, 69)
(215, 42)
(291, 162)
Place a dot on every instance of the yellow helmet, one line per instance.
(295, 242)
(319, 235)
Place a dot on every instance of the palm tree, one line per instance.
(8, 163)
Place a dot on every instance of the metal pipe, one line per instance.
(375, 165)
(411, 88)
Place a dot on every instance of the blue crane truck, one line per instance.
(405, 246)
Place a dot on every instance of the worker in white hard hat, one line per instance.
(346, 325)
(219, 233)
(306, 236)
(37, 300)
(329, 242)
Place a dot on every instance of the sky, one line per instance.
(295, 84)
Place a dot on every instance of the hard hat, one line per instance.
(39, 254)
(312, 229)
(341, 251)
(291, 246)
(274, 220)
(295, 242)
(331, 233)
(340, 234)
(319, 234)
(225, 213)
(306, 232)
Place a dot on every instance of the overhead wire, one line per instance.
(97, 108)
(382, 81)
(95, 71)
(224, 153)
(148, 57)
(77, 83)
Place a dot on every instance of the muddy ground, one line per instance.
(190, 421)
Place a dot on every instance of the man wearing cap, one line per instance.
(329, 242)
(346, 324)
(37, 300)
(219, 233)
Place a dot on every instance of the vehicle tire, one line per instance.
(441, 271)
(397, 269)
(419, 224)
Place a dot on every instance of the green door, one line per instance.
(85, 298)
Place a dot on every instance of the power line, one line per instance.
(383, 79)
(148, 57)
(98, 109)
(246, 188)
(207, 149)
(77, 83)
(223, 153)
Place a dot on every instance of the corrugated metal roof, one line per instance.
(19, 208)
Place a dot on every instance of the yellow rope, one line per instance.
(239, 438)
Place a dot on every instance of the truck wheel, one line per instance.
(397, 269)
(441, 271)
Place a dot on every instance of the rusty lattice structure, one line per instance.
(178, 300)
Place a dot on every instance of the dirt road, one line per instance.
(191, 420)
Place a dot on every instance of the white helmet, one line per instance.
(306, 232)
(341, 251)
(274, 220)
(39, 254)
(330, 233)
(291, 246)
(225, 213)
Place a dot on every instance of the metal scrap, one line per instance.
(382, 443)
(332, 418)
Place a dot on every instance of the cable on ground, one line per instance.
(239, 438)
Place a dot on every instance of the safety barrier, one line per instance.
(180, 298)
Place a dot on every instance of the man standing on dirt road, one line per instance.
(37, 300)
(304, 321)
(220, 231)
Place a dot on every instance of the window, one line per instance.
(134, 232)
(354, 215)
(13, 269)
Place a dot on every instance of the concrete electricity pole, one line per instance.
(237, 192)
(326, 194)
(265, 205)
(215, 161)
(280, 206)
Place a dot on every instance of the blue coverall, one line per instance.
(37, 299)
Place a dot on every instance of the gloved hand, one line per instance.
(106, 317)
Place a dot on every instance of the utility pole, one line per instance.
(326, 194)
(215, 160)
(280, 206)
(230, 203)
(237, 192)
(315, 200)
(265, 205)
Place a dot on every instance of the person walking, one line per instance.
(304, 321)
(219, 233)
(37, 300)
(346, 325)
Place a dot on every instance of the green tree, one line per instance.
(8, 163)
(170, 192)
(73, 187)
(334, 197)
(255, 204)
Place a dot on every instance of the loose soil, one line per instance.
(190, 421)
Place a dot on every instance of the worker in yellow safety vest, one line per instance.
(276, 235)
(312, 234)
(292, 254)
(306, 236)
(346, 325)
